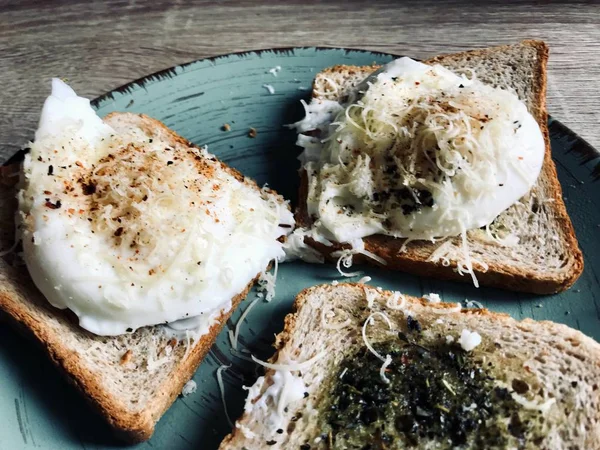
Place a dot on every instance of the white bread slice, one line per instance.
(547, 258)
(547, 363)
(130, 379)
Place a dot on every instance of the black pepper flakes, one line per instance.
(169, 163)
(413, 324)
(50, 169)
(271, 442)
(89, 188)
(119, 231)
(51, 205)
(519, 386)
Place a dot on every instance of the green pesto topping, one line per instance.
(435, 394)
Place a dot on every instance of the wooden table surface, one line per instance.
(103, 45)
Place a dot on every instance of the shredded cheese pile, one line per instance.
(418, 153)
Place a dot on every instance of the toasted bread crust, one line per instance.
(129, 426)
(414, 259)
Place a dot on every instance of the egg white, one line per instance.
(121, 261)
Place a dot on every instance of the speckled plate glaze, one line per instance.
(38, 409)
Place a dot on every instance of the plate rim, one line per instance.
(170, 71)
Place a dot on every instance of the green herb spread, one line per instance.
(435, 394)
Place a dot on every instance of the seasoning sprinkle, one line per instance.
(51, 205)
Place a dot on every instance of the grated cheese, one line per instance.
(275, 70)
(240, 354)
(473, 304)
(233, 335)
(247, 432)
(469, 340)
(543, 407)
(153, 364)
(467, 264)
(385, 365)
(393, 301)
(269, 88)
(267, 281)
(189, 388)
(370, 296)
(332, 326)
(293, 366)
(284, 389)
(222, 390)
(530, 404)
(432, 298)
(345, 259)
(357, 246)
(295, 248)
(369, 321)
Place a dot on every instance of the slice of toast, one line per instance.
(547, 258)
(130, 379)
(540, 379)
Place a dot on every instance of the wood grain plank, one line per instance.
(102, 45)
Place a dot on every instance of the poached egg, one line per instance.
(127, 227)
(417, 152)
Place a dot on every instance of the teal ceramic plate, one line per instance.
(39, 410)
